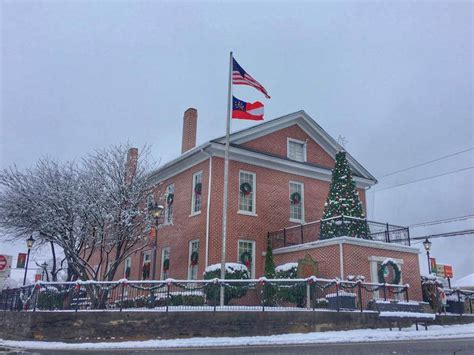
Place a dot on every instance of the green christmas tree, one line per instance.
(343, 200)
(269, 291)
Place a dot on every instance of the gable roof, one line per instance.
(300, 118)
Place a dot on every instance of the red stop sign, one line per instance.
(3, 262)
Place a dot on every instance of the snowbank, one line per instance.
(348, 336)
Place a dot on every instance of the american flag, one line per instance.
(241, 77)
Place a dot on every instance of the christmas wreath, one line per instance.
(245, 188)
(383, 272)
(166, 264)
(295, 198)
(197, 189)
(194, 258)
(246, 258)
(170, 199)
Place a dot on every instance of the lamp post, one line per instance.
(156, 211)
(29, 243)
(427, 245)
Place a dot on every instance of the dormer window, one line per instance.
(296, 150)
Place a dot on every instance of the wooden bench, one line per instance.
(416, 317)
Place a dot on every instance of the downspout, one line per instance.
(208, 206)
(341, 259)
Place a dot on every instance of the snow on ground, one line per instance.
(348, 336)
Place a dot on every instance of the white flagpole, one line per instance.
(226, 181)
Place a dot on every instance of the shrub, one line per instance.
(294, 293)
(234, 271)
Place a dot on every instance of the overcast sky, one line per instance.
(394, 78)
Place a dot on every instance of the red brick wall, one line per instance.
(315, 154)
(356, 262)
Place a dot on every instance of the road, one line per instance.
(441, 346)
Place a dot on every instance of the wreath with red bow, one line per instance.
(295, 198)
(166, 264)
(194, 258)
(245, 188)
(246, 259)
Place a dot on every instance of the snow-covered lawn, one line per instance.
(361, 335)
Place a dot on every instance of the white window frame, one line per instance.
(193, 195)
(302, 201)
(162, 274)
(252, 273)
(169, 189)
(190, 267)
(303, 143)
(374, 275)
(128, 261)
(254, 195)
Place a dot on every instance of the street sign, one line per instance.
(440, 270)
(433, 265)
(448, 271)
(3, 262)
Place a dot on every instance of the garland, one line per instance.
(194, 258)
(166, 264)
(245, 188)
(295, 198)
(383, 272)
(246, 258)
(198, 189)
(170, 199)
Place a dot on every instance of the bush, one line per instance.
(234, 271)
(296, 293)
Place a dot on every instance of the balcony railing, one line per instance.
(311, 232)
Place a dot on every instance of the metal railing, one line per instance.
(311, 231)
(202, 295)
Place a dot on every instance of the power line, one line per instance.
(447, 220)
(427, 178)
(428, 162)
(443, 235)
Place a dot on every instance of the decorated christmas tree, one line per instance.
(343, 200)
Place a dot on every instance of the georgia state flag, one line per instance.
(242, 110)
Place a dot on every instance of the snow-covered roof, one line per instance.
(466, 281)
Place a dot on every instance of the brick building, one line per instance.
(288, 154)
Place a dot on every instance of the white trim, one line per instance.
(252, 276)
(347, 240)
(190, 243)
(208, 208)
(303, 143)
(127, 259)
(254, 195)
(162, 259)
(383, 258)
(303, 217)
(341, 260)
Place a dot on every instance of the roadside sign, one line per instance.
(3, 262)
(21, 261)
(448, 271)
(433, 265)
(440, 270)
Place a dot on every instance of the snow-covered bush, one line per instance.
(233, 271)
(294, 292)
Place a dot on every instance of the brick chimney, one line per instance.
(132, 157)
(189, 129)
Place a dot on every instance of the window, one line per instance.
(127, 267)
(296, 201)
(246, 255)
(193, 259)
(296, 150)
(165, 263)
(169, 204)
(247, 192)
(146, 266)
(196, 198)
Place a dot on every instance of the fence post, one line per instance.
(77, 291)
(387, 233)
(470, 305)
(217, 296)
(337, 296)
(459, 300)
(308, 295)
(359, 291)
(384, 291)
(302, 234)
(406, 293)
(36, 296)
(284, 237)
(262, 297)
(121, 297)
(6, 300)
(167, 296)
(408, 233)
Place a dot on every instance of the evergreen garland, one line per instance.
(343, 200)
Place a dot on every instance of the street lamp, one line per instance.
(156, 211)
(29, 243)
(427, 245)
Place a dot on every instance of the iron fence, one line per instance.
(311, 232)
(203, 295)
